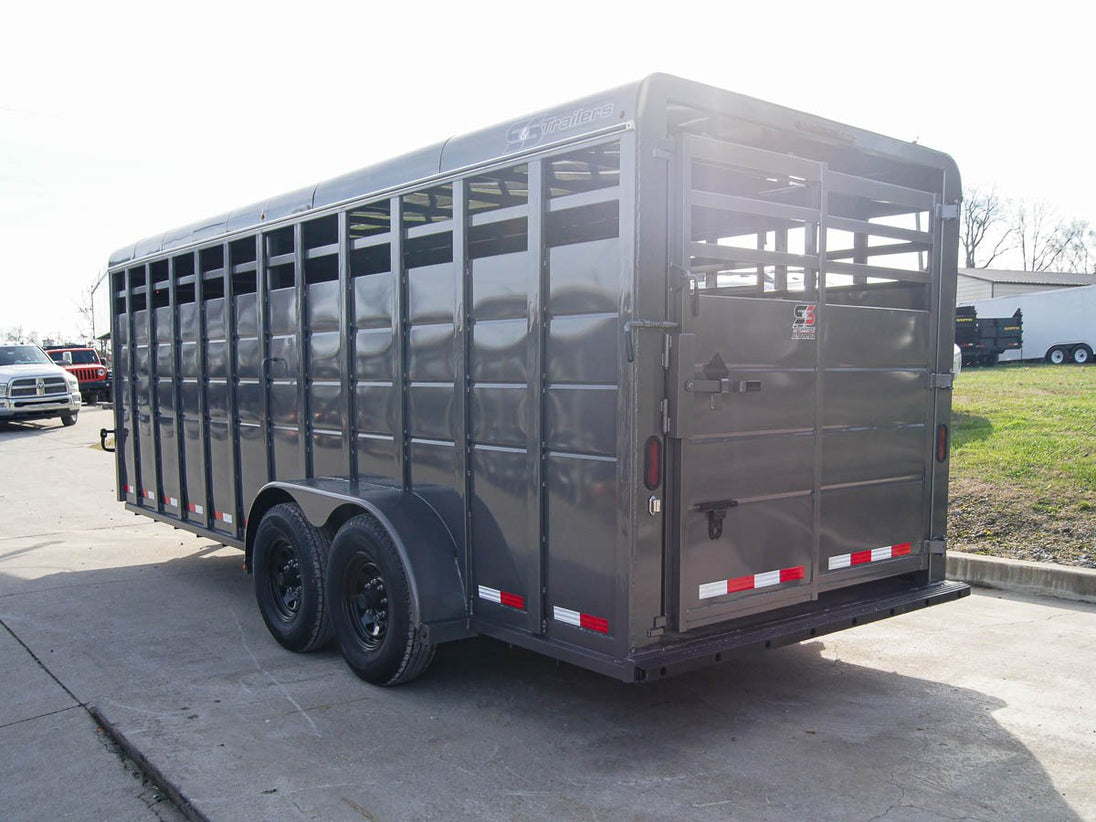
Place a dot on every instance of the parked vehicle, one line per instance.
(984, 339)
(632, 383)
(1059, 325)
(84, 363)
(32, 387)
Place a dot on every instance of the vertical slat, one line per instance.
(347, 344)
(153, 378)
(860, 247)
(303, 330)
(120, 443)
(535, 508)
(131, 368)
(397, 232)
(462, 441)
(780, 277)
(176, 384)
(262, 305)
(232, 366)
(203, 385)
(819, 237)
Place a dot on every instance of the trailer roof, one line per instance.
(587, 116)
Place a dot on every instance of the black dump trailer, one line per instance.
(982, 340)
(637, 383)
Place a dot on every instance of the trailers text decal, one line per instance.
(532, 132)
(805, 323)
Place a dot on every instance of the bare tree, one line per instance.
(1048, 242)
(85, 309)
(983, 228)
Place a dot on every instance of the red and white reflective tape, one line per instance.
(194, 508)
(731, 586)
(172, 501)
(580, 620)
(129, 489)
(874, 555)
(148, 494)
(221, 516)
(502, 597)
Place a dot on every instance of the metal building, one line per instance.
(638, 382)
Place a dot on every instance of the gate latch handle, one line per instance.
(723, 386)
(716, 511)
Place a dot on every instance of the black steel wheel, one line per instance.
(289, 560)
(371, 609)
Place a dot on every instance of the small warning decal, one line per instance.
(805, 323)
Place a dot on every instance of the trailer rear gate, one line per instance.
(650, 381)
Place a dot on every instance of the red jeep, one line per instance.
(85, 365)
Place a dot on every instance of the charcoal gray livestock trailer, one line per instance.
(639, 382)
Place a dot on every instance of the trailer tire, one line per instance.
(370, 600)
(1057, 355)
(289, 559)
(1082, 355)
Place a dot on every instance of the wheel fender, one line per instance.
(424, 543)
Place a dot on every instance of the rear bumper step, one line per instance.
(822, 618)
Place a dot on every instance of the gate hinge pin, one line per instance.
(935, 546)
(941, 381)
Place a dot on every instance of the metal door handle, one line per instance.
(723, 386)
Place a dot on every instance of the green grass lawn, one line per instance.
(1023, 462)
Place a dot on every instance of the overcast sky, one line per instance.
(118, 121)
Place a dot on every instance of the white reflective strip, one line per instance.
(199, 509)
(713, 589)
(881, 553)
(842, 561)
(173, 502)
(568, 616)
(490, 594)
(767, 578)
(226, 518)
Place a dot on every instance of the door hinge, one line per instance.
(665, 407)
(658, 627)
(941, 381)
(629, 341)
(935, 546)
(667, 342)
(948, 211)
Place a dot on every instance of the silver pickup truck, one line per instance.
(33, 387)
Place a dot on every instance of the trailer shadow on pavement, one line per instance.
(175, 656)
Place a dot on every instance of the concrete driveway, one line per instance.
(980, 709)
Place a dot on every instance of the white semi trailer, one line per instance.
(1059, 325)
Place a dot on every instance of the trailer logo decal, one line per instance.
(502, 597)
(529, 133)
(764, 580)
(805, 322)
(873, 555)
(580, 620)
